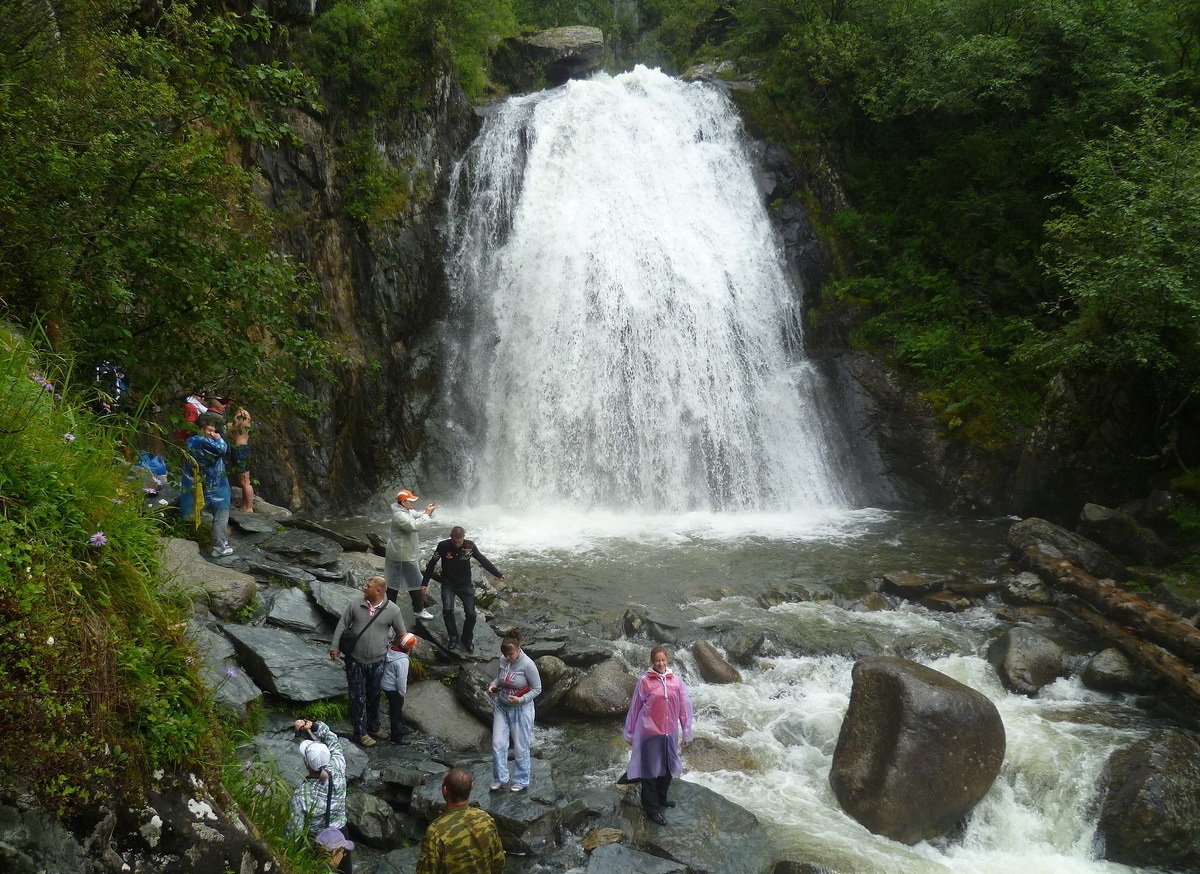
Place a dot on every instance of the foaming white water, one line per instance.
(1036, 818)
(536, 530)
(631, 335)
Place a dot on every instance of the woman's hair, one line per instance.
(512, 640)
(657, 650)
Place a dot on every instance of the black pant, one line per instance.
(364, 681)
(467, 596)
(654, 793)
(396, 713)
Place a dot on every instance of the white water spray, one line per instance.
(630, 334)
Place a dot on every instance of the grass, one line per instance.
(100, 684)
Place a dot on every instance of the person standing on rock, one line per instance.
(239, 457)
(395, 683)
(401, 564)
(208, 486)
(517, 685)
(375, 621)
(660, 706)
(464, 839)
(455, 555)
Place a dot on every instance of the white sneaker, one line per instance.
(222, 551)
(424, 614)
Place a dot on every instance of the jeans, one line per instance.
(517, 723)
(364, 680)
(220, 527)
(467, 596)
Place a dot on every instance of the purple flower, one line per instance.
(150, 490)
(117, 501)
(158, 480)
(231, 671)
(98, 539)
(69, 437)
(260, 788)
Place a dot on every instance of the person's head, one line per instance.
(333, 845)
(207, 423)
(659, 660)
(405, 498)
(510, 647)
(315, 755)
(457, 535)
(375, 589)
(407, 641)
(456, 786)
(215, 402)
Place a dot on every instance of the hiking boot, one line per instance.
(366, 741)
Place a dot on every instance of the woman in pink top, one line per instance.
(660, 706)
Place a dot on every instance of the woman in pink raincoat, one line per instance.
(660, 706)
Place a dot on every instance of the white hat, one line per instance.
(316, 754)
(333, 839)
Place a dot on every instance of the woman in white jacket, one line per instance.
(402, 561)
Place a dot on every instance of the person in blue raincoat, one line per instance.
(208, 450)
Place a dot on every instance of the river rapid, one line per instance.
(794, 578)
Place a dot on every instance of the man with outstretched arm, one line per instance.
(455, 555)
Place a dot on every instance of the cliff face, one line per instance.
(382, 287)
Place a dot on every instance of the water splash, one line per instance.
(629, 335)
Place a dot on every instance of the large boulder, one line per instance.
(1120, 532)
(1110, 670)
(435, 710)
(282, 663)
(917, 750)
(1025, 660)
(620, 859)
(223, 590)
(604, 692)
(292, 611)
(549, 57)
(1150, 815)
(713, 668)
(305, 547)
(1034, 533)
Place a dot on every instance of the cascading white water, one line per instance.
(629, 329)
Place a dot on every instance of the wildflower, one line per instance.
(231, 671)
(190, 661)
(69, 437)
(158, 480)
(117, 501)
(150, 490)
(50, 640)
(98, 539)
(260, 788)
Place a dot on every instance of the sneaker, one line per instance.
(424, 614)
(366, 741)
(517, 787)
(657, 817)
(496, 787)
(382, 734)
(222, 551)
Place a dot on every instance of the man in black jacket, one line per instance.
(455, 555)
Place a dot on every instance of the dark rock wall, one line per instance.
(382, 288)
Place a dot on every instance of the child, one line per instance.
(395, 682)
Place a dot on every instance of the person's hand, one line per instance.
(686, 743)
(502, 578)
(430, 508)
(333, 655)
(303, 725)
(513, 699)
(492, 689)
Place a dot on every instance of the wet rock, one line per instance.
(348, 542)
(435, 710)
(1059, 542)
(373, 822)
(1164, 595)
(222, 590)
(1111, 671)
(487, 642)
(660, 631)
(771, 598)
(400, 861)
(1150, 815)
(615, 858)
(304, 547)
(269, 569)
(231, 689)
(946, 602)
(604, 692)
(599, 837)
(292, 611)
(743, 647)
(908, 585)
(470, 687)
(1026, 588)
(711, 754)
(916, 752)
(1120, 532)
(976, 589)
(526, 63)
(332, 599)
(283, 664)
(558, 678)
(705, 832)
(1025, 660)
(872, 602)
(535, 649)
(583, 653)
(528, 822)
(713, 668)
(360, 567)
(253, 523)
(32, 840)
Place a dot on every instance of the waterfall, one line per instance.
(625, 328)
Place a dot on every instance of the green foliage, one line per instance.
(97, 678)
(385, 54)
(127, 226)
(328, 710)
(375, 190)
